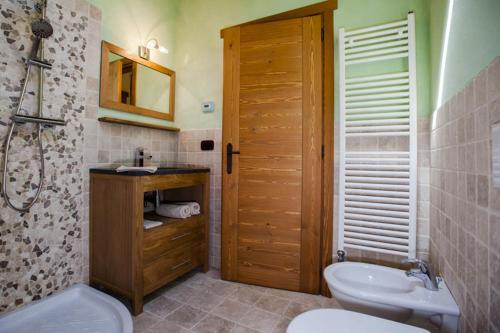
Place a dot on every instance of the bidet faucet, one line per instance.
(423, 272)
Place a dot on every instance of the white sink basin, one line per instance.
(388, 293)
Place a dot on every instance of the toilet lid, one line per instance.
(343, 321)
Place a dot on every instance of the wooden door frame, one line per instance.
(325, 9)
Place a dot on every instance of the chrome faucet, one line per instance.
(423, 272)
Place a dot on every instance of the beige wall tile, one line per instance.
(494, 79)
(480, 90)
(482, 190)
(469, 98)
(465, 235)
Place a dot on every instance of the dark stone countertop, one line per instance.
(160, 171)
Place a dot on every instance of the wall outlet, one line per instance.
(207, 145)
(207, 107)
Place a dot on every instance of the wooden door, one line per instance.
(271, 203)
(115, 80)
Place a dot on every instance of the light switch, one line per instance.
(495, 154)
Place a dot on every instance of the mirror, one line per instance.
(135, 85)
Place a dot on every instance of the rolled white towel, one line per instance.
(174, 211)
(193, 206)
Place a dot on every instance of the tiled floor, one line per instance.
(202, 303)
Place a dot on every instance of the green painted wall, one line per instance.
(353, 14)
(130, 23)
(474, 42)
(191, 30)
(199, 48)
(199, 52)
(437, 10)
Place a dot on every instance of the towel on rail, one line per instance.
(193, 206)
(174, 211)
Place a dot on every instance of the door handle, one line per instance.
(229, 159)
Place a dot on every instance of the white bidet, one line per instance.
(389, 293)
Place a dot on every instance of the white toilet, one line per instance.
(343, 321)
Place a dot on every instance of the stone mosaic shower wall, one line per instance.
(40, 251)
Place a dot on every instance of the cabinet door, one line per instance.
(272, 120)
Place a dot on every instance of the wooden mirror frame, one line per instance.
(106, 48)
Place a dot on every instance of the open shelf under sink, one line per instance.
(169, 221)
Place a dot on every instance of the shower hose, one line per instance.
(27, 205)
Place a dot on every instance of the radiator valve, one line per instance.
(340, 255)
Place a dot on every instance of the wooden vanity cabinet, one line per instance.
(131, 261)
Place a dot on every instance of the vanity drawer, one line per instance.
(158, 241)
(171, 265)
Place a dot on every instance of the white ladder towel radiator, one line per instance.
(378, 189)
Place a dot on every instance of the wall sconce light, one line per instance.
(152, 44)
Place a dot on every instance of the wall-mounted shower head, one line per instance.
(41, 29)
